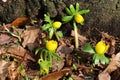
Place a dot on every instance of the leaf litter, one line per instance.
(18, 51)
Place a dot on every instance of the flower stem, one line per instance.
(76, 35)
(57, 36)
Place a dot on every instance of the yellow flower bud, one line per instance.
(78, 18)
(57, 24)
(101, 47)
(51, 45)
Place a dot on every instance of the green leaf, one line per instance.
(101, 58)
(82, 23)
(59, 34)
(26, 77)
(70, 78)
(74, 67)
(72, 9)
(51, 32)
(46, 26)
(68, 11)
(37, 51)
(45, 40)
(104, 59)
(49, 57)
(77, 7)
(107, 60)
(88, 48)
(84, 11)
(22, 69)
(47, 18)
(55, 56)
(96, 61)
(67, 18)
(96, 58)
(44, 66)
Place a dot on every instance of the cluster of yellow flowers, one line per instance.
(51, 45)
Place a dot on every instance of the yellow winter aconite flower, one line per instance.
(57, 24)
(51, 45)
(101, 47)
(78, 18)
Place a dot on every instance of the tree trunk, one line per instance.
(104, 14)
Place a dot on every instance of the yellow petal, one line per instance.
(101, 47)
(57, 24)
(51, 45)
(78, 18)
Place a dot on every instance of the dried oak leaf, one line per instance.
(8, 70)
(62, 51)
(6, 39)
(4, 69)
(104, 76)
(20, 51)
(29, 36)
(13, 71)
(113, 65)
(22, 21)
(56, 75)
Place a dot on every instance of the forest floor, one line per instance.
(20, 41)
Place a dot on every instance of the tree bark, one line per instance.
(104, 14)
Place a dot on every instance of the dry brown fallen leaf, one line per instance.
(10, 70)
(20, 51)
(56, 75)
(22, 21)
(13, 71)
(111, 40)
(62, 51)
(116, 75)
(4, 69)
(75, 77)
(113, 65)
(29, 36)
(104, 76)
(6, 39)
(17, 51)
